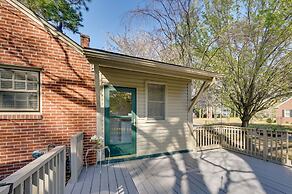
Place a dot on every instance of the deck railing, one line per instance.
(267, 144)
(46, 174)
(76, 146)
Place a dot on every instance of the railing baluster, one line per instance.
(287, 148)
(41, 180)
(276, 147)
(18, 189)
(54, 175)
(203, 143)
(51, 175)
(34, 183)
(47, 178)
(282, 156)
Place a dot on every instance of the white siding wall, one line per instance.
(170, 134)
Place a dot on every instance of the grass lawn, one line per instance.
(272, 126)
(236, 122)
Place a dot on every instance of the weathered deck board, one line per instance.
(104, 185)
(88, 180)
(217, 171)
(128, 179)
(96, 181)
(131, 167)
(113, 186)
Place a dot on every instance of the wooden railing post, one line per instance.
(287, 148)
(265, 144)
(76, 146)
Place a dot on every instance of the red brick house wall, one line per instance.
(67, 90)
(287, 105)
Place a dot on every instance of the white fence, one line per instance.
(76, 146)
(267, 144)
(46, 175)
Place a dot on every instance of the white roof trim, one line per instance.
(44, 23)
(148, 63)
(283, 102)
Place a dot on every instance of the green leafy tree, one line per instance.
(63, 14)
(254, 41)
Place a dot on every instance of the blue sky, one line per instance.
(103, 17)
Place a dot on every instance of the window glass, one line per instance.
(19, 90)
(156, 101)
(286, 113)
(120, 103)
(19, 85)
(19, 75)
(5, 74)
(6, 84)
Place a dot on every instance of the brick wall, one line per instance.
(279, 113)
(67, 90)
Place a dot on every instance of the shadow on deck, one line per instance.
(216, 171)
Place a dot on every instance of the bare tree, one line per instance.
(180, 30)
(140, 44)
(249, 41)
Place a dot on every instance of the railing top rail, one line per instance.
(22, 174)
(244, 128)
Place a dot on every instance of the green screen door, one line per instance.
(120, 114)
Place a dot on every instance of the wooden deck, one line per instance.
(216, 171)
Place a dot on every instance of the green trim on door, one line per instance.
(127, 148)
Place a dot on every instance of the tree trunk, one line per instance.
(245, 121)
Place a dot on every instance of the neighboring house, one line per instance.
(52, 88)
(284, 112)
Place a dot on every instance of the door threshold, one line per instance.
(121, 157)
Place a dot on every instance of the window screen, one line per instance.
(19, 90)
(156, 101)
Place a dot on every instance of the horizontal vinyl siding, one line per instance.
(170, 134)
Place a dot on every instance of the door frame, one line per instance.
(107, 89)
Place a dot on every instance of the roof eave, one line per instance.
(174, 70)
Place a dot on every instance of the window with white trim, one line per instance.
(156, 101)
(287, 113)
(19, 90)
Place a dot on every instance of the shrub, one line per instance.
(269, 120)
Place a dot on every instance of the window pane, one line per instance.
(156, 110)
(19, 75)
(6, 74)
(21, 104)
(120, 103)
(286, 113)
(21, 96)
(6, 84)
(32, 97)
(156, 101)
(120, 130)
(32, 86)
(32, 76)
(7, 100)
(33, 105)
(156, 92)
(19, 85)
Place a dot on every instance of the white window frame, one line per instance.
(287, 113)
(38, 90)
(165, 101)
